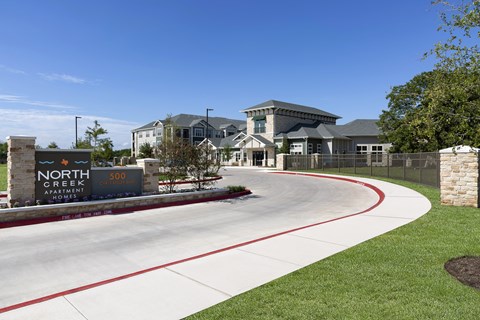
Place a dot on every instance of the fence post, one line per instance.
(420, 169)
(371, 164)
(388, 165)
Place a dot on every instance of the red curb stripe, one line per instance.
(380, 194)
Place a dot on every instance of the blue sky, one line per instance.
(126, 63)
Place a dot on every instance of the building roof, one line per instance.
(147, 126)
(187, 120)
(291, 107)
(318, 130)
(359, 127)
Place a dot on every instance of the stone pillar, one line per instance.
(459, 176)
(264, 160)
(150, 173)
(282, 161)
(20, 170)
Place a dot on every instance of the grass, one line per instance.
(3, 177)
(398, 275)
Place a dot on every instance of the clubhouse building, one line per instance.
(255, 142)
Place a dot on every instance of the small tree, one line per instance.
(202, 165)
(173, 154)
(53, 145)
(146, 151)
(285, 147)
(102, 147)
(227, 153)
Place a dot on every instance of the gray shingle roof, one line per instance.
(147, 126)
(292, 107)
(359, 127)
(187, 120)
(316, 130)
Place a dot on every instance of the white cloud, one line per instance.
(23, 100)
(11, 70)
(48, 126)
(62, 77)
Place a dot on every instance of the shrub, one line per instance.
(233, 189)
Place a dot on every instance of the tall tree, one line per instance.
(93, 134)
(102, 146)
(441, 109)
(461, 21)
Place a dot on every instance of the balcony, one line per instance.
(259, 130)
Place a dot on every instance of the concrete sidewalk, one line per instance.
(177, 290)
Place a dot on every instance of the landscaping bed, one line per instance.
(66, 211)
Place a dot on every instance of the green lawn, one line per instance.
(3, 177)
(398, 275)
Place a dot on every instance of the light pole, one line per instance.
(76, 131)
(206, 132)
(206, 137)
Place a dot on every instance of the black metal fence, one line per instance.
(423, 168)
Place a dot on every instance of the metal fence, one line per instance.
(422, 168)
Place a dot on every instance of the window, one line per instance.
(198, 132)
(296, 148)
(362, 149)
(310, 148)
(147, 134)
(140, 135)
(319, 148)
(186, 133)
(259, 126)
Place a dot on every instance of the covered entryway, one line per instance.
(258, 150)
(259, 157)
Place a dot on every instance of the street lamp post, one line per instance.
(206, 132)
(206, 135)
(76, 131)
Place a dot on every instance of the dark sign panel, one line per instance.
(62, 175)
(115, 181)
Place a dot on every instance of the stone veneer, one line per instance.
(20, 170)
(282, 161)
(459, 176)
(150, 173)
(101, 206)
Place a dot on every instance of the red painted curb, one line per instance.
(3, 195)
(89, 214)
(380, 194)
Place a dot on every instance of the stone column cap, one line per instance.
(21, 137)
(148, 160)
(460, 149)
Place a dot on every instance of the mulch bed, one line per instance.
(466, 270)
